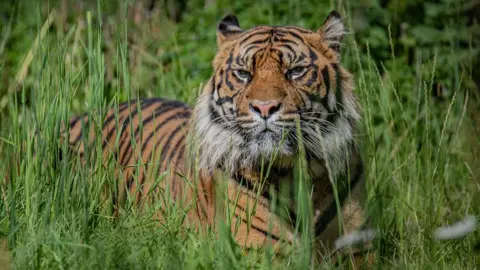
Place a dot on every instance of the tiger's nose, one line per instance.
(265, 108)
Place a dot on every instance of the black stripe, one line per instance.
(257, 228)
(230, 58)
(238, 61)
(291, 214)
(167, 143)
(80, 134)
(326, 80)
(219, 84)
(253, 35)
(198, 192)
(164, 108)
(246, 60)
(313, 58)
(285, 31)
(215, 116)
(288, 47)
(180, 153)
(214, 89)
(286, 41)
(316, 97)
(110, 135)
(76, 119)
(338, 89)
(107, 121)
(312, 55)
(300, 58)
(179, 116)
(301, 30)
(226, 99)
(176, 159)
(245, 210)
(183, 115)
(300, 94)
(280, 57)
(245, 183)
(249, 48)
(254, 61)
(111, 117)
(279, 32)
(290, 58)
(343, 190)
(171, 156)
(229, 67)
(291, 53)
(125, 124)
(73, 121)
(296, 35)
(338, 94)
(260, 41)
(312, 78)
(251, 30)
(223, 100)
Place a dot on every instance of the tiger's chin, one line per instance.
(268, 145)
(250, 154)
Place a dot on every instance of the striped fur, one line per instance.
(234, 126)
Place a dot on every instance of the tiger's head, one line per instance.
(268, 78)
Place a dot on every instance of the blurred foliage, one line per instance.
(180, 35)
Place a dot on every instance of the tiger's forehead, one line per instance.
(281, 30)
(266, 34)
(286, 44)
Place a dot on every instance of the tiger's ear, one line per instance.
(332, 31)
(228, 29)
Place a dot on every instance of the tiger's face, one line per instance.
(267, 79)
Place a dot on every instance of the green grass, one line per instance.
(421, 153)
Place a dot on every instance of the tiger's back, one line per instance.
(146, 137)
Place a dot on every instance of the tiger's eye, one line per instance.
(296, 72)
(242, 75)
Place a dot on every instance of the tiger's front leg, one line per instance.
(357, 253)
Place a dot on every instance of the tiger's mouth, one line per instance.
(267, 133)
(271, 126)
(268, 139)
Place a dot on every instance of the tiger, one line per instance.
(277, 93)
